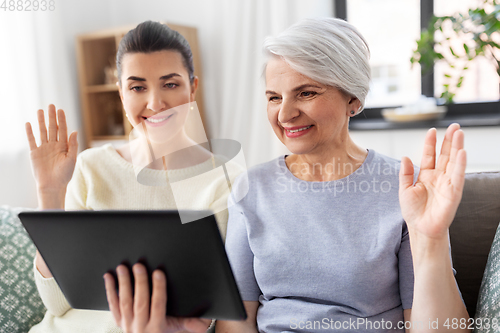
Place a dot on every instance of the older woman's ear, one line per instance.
(354, 106)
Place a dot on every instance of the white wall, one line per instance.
(482, 145)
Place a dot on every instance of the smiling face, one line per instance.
(307, 116)
(152, 85)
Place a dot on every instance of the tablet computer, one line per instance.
(79, 247)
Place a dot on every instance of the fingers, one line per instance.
(52, 123)
(141, 296)
(429, 153)
(63, 128)
(458, 160)
(456, 145)
(132, 312)
(405, 174)
(56, 126)
(31, 137)
(73, 145)
(42, 127)
(112, 296)
(444, 156)
(458, 175)
(159, 297)
(125, 297)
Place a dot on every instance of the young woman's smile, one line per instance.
(160, 119)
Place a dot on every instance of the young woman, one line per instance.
(335, 237)
(157, 87)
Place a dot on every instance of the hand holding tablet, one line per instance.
(139, 312)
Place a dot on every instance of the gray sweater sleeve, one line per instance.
(240, 254)
(405, 270)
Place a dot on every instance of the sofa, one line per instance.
(20, 304)
(471, 235)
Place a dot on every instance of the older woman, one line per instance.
(321, 242)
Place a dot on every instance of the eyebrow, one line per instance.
(307, 85)
(164, 77)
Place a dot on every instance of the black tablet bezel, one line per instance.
(79, 247)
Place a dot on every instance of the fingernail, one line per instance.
(157, 275)
(139, 270)
(120, 270)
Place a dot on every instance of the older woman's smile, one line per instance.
(293, 132)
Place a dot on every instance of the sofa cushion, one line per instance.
(488, 302)
(472, 232)
(20, 304)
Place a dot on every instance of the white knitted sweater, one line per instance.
(104, 180)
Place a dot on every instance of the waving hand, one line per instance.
(429, 205)
(53, 161)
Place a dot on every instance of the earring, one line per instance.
(352, 111)
(192, 108)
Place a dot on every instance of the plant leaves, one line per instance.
(473, 28)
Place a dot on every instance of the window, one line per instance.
(480, 80)
(392, 78)
(394, 82)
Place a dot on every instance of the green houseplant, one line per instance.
(478, 34)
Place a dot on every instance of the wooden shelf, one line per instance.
(102, 88)
(103, 113)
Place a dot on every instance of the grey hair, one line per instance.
(327, 50)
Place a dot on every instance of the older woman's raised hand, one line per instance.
(429, 205)
(140, 313)
(53, 161)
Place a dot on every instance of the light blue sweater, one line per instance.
(323, 256)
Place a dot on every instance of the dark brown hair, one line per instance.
(150, 37)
